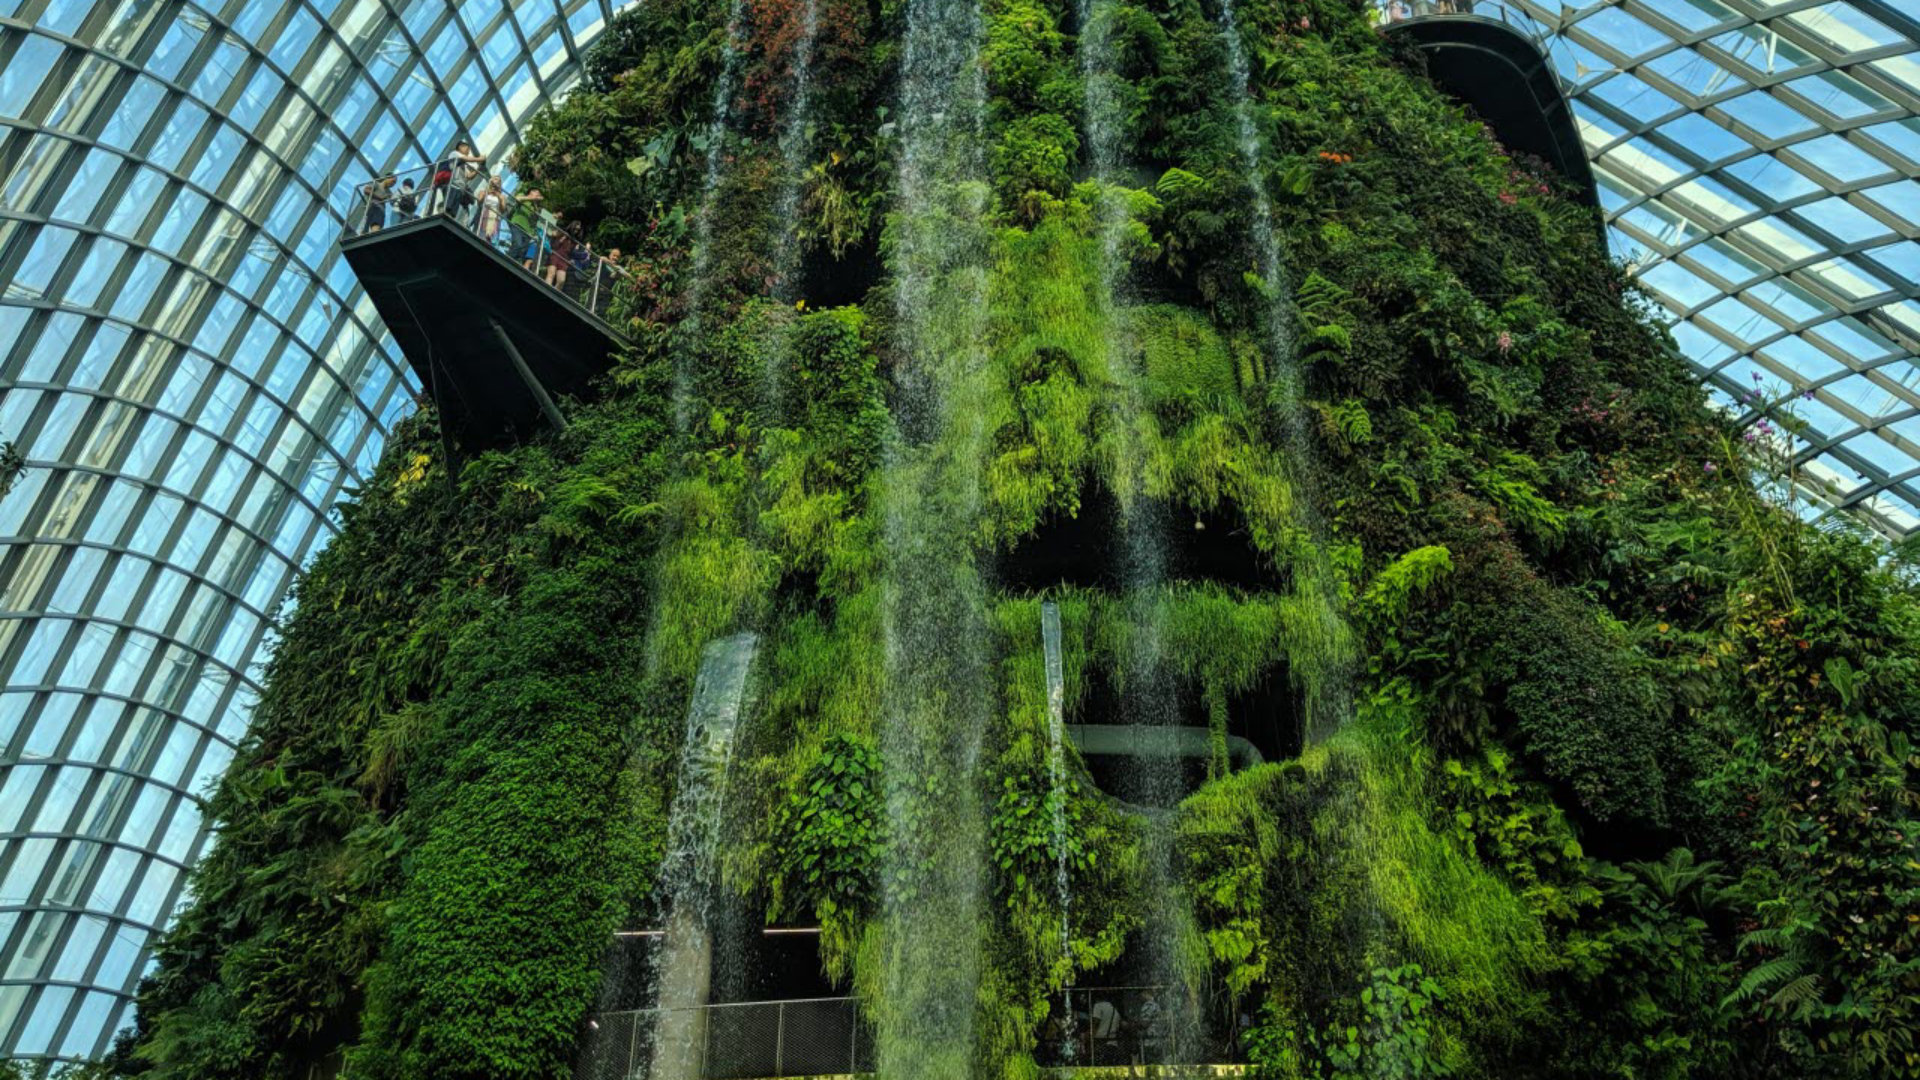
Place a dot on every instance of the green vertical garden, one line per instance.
(1596, 761)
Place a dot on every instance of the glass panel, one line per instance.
(26, 73)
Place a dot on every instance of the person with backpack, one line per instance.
(406, 202)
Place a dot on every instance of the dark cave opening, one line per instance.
(1210, 546)
(829, 282)
(1086, 550)
(1156, 761)
(1089, 550)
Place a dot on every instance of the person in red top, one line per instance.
(452, 179)
(560, 255)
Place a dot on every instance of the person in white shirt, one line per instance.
(1104, 1025)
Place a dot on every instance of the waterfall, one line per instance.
(683, 966)
(939, 697)
(1057, 797)
(1102, 122)
(1149, 701)
(794, 142)
(939, 260)
(1328, 662)
(718, 123)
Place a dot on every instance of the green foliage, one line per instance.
(1183, 358)
(827, 838)
(1405, 578)
(1534, 638)
(1648, 971)
(1516, 829)
(1396, 1035)
(12, 466)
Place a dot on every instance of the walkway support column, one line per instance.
(547, 407)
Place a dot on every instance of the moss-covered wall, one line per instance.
(1617, 779)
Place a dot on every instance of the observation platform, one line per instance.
(496, 345)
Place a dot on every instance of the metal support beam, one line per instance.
(547, 407)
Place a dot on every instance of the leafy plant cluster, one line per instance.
(1626, 788)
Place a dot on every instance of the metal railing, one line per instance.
(764, 1040)
(522, 230)
(1133, 1025)
(750, 1040)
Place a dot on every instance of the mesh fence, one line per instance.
(742, 1041)
(1123, 1026)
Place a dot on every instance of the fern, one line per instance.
(577, 504)
(1408, 576)
(1798, 995)
(1678, 878)
(1525, 507)
(1780, 969)
(1321, 306)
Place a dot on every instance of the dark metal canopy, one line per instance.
(1758, 162)
(1508, 82)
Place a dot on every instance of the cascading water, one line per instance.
(938, 699)
(683, 965)
(1057, 798)
(718, 125)
(1324, 666)
(1150, 705)
(794, 143)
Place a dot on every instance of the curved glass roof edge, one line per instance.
(195, 380)
(1758, 163)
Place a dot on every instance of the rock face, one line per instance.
(1007, 378)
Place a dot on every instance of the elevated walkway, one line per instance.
(496, 345)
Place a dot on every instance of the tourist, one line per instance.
(453, 178)
(559, 257)
(1104, 1030)
(406, 202)
(493, 211)
(1150, 1026)
(379, 193)
(442, 176)
(523, 226)
(584, 263)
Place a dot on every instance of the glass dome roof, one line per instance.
(1757, 165)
